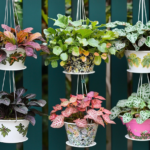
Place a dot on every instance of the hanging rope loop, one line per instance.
(142, 11)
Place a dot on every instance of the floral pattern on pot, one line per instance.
(81, 136)
(134, 60)
(79, 64)
(21, 129)
(14, 57)
(4, 131)
(146, 61)
(144, 135)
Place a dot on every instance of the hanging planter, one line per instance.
(80, 118)
(12, 131)
(18, 45)
(134, 42)
(135, 113)
(78, 46)
(15, 115)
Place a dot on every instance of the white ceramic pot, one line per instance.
(12, 131)
(17, 65)
(81, 136)
(138, 61)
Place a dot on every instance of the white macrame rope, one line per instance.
(77, 85)
(10, 80)
(141, 85)
(82, 84)
(142, 10)
(3, 80)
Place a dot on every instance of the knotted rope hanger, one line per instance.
(142, 10)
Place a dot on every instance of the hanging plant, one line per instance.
(19, 44)
(135, 113)
(133, 40)
(15, 115)
(81, 117)
(78, 44)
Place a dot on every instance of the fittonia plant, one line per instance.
(78, 38)
(137, 106)
(135, 37)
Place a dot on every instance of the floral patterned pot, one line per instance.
(14, 59)
(138, 61)
(12, 131)
(81, 136)
(138, 131)
(76, 65)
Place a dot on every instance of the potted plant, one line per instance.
(15, 115)
(18, 44)
(78, 44)
(81, 117)
(135, 113)
(134, 41)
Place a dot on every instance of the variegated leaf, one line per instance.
(127, 117)
(100, 121)
(141, 41)
(139, 120)
(107, 119)
(145, 114)
(121, 103)
(121, 32)
(67, 112)
(132, 37)
(81, 123)
(58, 122)
(115, 111)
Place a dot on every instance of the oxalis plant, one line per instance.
(137, 106)
(21, 107)
(12, 39)
(80, 110)
(77, 38)
(135, 37)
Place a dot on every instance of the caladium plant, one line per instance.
(131, 37)
(17, 38)
(80, 110)
(80, 38)
(21, 106)
(137, 106)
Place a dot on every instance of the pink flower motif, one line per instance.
(52, 116)
(58, 122)
(82, 123)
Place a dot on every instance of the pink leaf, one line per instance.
(90, 94)
(7, 28)
(9, 35)
(93, 114)
(87, 99)
(34, 36)
(73, 99)
(107, 119)
(52, 116)
(99, 113)
(100, 97)
(63, 99)
(29, 51)
(10, 47)
(82, 123)
(81, 109)
(96, 103)
(57, 107)
(106, 111)
(45, 49)
(75, 110)
(67, 112)
(65, 103)
(84, 104)
(53, 111)
(100, 121)
(88, 117)
(80, 96)
(28, 30)
(33, 45)
(58, 122)
(96, 94)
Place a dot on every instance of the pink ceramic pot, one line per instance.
(138, 131)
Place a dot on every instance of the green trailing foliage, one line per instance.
(137, 106)
(76, 38)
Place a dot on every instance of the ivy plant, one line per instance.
(137, 106)
(131, 37)
(75, 38)
(4, 131)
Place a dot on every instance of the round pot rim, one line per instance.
(87, 124)
(13, 120)
(138, 51)
(132, 118)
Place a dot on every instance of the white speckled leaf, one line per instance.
(115, 111)
(139, 120)
(122, 103)
(132, 37)
(121, 32)
(127, 117)
(141, 41)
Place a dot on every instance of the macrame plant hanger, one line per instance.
(9, 8)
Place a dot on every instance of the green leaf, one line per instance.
(112, 50)
(134, 111)
(146, 61)
(121, 32)
(115, 111)
(87, 21)
(75, 51)
(130, 29)
(57, 50)
(69, 41)
(93, 42)
(49, 31)
(97, 60)
(76, 23)
(64, 56)
(145, 114)
(102, 48)
(127, 117)
(132, 37)
(119, 45)
(83, 41)
(141, 41)
(121, 103)
(147, 42)
(84, 32)
(4, 131)
(110, 35)
(139, 120)
(54, 64)
(94, 23)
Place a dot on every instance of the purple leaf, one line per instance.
(33, 45)
(2, 55)
(21, 109)
(3, 93)
(20, 91)
(18, 28)
(10, 47)
(41, 39)
(35, 54)
(40, 103)
(38, 112)
(90, 94)
(45, 49)
(31, 119)
(30, 96)
(29, 51)
(5, 101)
(28, 30)
(6, 27)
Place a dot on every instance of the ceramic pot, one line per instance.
(81, 136)
(14, 59)
(138, 61)
(12, 131)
